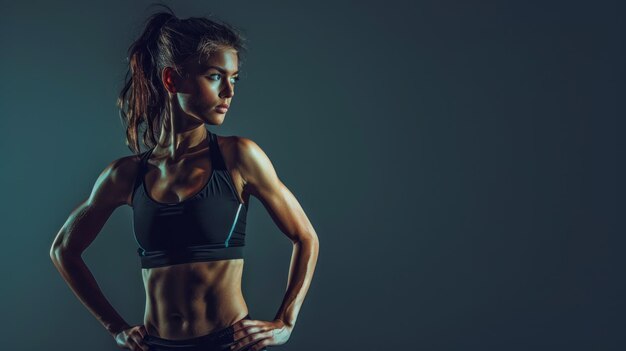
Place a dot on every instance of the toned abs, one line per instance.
(193, 299)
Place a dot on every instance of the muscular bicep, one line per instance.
(87, 219)
(261, 181)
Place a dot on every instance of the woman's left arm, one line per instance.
(262, 182)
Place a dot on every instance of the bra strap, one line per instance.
(140, 170)
(216, 157)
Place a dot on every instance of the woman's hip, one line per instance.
(218, 340)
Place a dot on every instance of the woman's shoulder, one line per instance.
(120, 175)
(126, 167)
(245, 158)
(248, 158)
(239, 148)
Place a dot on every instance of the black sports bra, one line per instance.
(207, 226)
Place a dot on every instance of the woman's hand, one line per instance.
(257, 334)
(132, 338)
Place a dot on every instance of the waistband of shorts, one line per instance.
(219, 335)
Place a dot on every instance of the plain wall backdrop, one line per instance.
(461, 161)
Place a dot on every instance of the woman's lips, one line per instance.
(221, 109)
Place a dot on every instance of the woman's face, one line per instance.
(209, 84)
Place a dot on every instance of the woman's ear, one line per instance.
(171, 79)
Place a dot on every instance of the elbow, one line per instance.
(309, 239)
(54, 252)
(62, 258)
(58, 253)
(314, 238)
(56, 257)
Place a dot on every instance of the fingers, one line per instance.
(249, 326)
(137, 339)
(260, 346)
(241, 324)
(249, 330)
(258, 340)
(143, 331)
(138, 345)
(254, 346)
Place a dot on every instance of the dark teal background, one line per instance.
(461, 161)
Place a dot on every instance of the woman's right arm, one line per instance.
(111, 190)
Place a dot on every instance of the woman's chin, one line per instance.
(215, 118)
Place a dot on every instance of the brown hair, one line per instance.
(166, 41)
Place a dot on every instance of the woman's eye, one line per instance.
(220, 76)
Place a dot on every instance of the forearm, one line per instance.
(303, 261)
(84, 285)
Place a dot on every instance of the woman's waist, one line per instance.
(218, 339)
(190, 319)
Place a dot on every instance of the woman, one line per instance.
(189, 193)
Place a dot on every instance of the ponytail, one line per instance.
(143, 97)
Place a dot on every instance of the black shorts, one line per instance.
(219, 340)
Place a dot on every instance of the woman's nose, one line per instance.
(229, 90)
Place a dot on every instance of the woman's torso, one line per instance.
(192, 299)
